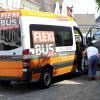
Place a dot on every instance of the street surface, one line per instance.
(63, 88)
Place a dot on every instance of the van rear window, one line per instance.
(10, 35)
(10, 39)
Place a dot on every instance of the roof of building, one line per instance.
(35, 2)
(85, 19)
(41, 2)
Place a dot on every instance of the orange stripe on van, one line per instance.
(63, 70)
(11, 68)
(11, 72)
(11, 64)
(52, 60)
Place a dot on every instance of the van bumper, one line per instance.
(27, 73)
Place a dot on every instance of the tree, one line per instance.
(98, 4)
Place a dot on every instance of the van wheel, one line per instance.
(84, 65)
(5, 83)
(45, 80)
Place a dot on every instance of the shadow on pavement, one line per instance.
(20, 88)
(65, 77)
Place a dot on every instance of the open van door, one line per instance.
(92, 36)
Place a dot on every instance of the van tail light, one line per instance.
(26, 51)
(26, 59)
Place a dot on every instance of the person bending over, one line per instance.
(93, 59)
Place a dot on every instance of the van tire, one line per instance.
(45, 79)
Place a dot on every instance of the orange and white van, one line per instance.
(36, 46)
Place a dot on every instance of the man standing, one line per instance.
(93, 59)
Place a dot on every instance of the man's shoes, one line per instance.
(92, 78)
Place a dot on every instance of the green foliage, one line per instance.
(98, 4)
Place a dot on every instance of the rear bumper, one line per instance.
(8, 78)
(26, 76)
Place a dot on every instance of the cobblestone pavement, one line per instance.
(77, 88)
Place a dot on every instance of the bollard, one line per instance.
(98, 73)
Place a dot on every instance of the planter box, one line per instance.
(98, 72)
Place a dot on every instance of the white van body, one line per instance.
(29, 47)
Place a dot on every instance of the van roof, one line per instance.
(41, 14)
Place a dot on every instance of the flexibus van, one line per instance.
(36, 46)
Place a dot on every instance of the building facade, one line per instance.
(36, 5)
(19, 4)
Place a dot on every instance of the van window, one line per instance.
(78, 35)
(63, 35)
(10, 39)
(94, 34)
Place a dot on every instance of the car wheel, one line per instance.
(45, 80)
